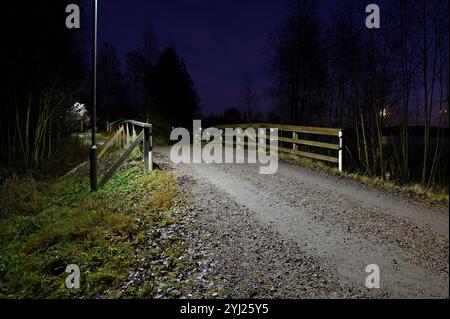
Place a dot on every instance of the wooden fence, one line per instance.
(321, 143)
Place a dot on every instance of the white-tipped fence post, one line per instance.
(341, 145)
(148, 150)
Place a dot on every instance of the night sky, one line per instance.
(221, 41)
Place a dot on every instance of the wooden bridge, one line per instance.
(318, 143)
(129, 135)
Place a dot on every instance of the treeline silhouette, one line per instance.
(43, 71)
(387, 88)
(155, 86)
(377, 84)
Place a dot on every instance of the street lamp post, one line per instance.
(93, 152)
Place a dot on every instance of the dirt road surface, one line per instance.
(303, 234)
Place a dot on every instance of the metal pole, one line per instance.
(93, 153)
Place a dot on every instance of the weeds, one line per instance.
(45, 226)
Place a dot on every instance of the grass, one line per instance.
(434, 195)
(45, 226)
(69, 153)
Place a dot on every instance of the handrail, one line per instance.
(116, 121)
(296, 141)
(288, 128)
(109, 125)
(137, 123)
(133, 122)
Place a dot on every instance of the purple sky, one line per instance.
(221, 41)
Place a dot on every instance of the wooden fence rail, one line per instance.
(297, 136)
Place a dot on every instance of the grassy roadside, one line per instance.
(416, 191)
(45, 226)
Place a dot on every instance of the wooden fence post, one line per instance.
(119, 137)
(125, 135)
(294, 145)
(122, 145)
(261, 140)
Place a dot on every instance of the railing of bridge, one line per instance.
(129, 135)
(320, 143)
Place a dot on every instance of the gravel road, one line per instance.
(303, 234)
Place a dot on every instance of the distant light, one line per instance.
(79, 108)
(384, 113)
